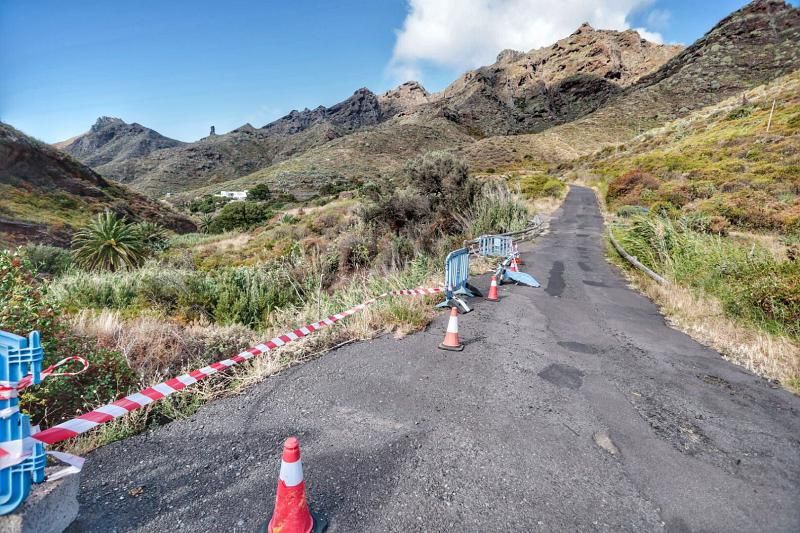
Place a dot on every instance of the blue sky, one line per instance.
(181, 66)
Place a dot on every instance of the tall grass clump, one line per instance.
(749, 281)
(497, 210)
(233, 295)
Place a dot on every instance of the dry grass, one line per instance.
(702, 318)
(770, 242)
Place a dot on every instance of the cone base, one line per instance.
(493, 299)
(458, 348)
(318, 524)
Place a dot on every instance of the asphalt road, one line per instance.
(573, 407)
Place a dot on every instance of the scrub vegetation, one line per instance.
(147, 306)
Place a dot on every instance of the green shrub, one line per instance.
(207, 203)
(539, 186)
(50, 260)
(232, 295)
(25, 306)
(259, 193)
(627, 211)
(239, 215)
(154, 237)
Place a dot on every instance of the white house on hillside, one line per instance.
(233, 195)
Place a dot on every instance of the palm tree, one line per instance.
(108, 243)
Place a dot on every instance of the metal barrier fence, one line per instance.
(18, 357)
(535, 227)
(495, 246)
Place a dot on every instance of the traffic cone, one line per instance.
(519, 257)
(514, 265)
(493, 296)
(451, 340)
(292, 514)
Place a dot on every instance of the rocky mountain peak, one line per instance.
(403, 98)
(110, 139)
(584, 28)
(508, 55)
(104, 122)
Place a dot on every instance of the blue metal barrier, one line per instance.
(495, 246)
(456, 279)
(19, 356)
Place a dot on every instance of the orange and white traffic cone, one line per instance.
(518, 256)
(292, 514)
(451, 340)
(514, 264)
(493, 296)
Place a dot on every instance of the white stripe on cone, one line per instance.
(292, 473)
(452, 324)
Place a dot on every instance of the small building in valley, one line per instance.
(233, 195)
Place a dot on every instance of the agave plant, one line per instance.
(108, 243)
(204, 223)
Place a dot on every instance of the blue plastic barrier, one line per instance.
(19, 356)
(495, 246)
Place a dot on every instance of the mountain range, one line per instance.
(543, 107)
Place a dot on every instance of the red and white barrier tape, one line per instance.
(9, 390)
(101, 415)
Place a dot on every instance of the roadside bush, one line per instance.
(539, 186)
(751, 284)
(627, 188)
(50, 260)
(627, 211)
(497, 210)
(232, 295)
(25, 306)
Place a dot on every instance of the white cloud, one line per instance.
(465, 34)
(652, 36)
(658, 19)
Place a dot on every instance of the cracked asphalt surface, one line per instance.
(573, 407)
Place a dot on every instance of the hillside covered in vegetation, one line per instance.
(45, 194)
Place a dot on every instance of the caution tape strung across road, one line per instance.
(10, 451)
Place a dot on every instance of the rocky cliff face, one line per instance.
(528, 92)
(111, 140)
(45, 194)
(403, 99)
(750, 47)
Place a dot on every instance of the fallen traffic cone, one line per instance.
(451, 340)
(292, 514)
(493, 296)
